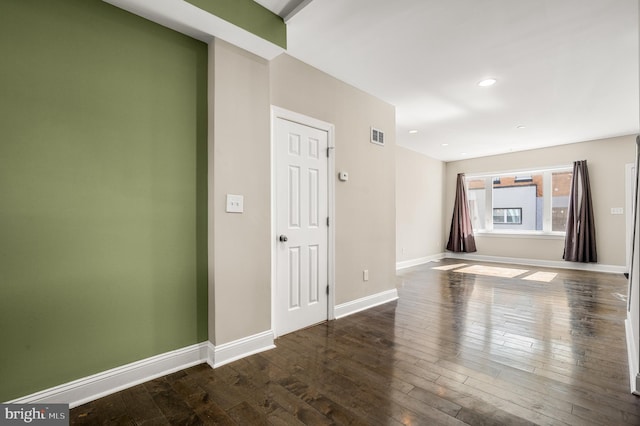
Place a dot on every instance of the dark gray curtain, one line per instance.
(461, 234)
(580, 240)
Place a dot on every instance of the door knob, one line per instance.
(283, 238)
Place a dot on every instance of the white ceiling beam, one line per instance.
(199, 24)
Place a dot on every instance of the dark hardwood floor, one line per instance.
(455, 349)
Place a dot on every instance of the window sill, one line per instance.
(516, 234)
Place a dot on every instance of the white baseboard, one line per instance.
(363, 303)
(232, 351)
(560, 264)
(632, 354)
(98, 385)
(419, 261)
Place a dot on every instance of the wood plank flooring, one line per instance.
(455, 349)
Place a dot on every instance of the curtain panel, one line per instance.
(580, 239)
(461, 239)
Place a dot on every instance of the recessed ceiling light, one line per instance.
(520, 126)
(487, 82)
(444, 144)
(413, 132)
(464, 153)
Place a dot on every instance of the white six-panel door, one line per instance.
(301, 226)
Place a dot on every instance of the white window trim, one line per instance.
(547, 216)
(506, 233)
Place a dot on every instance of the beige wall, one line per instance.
(365, 205)
(419, 205)
(239, 150)
(606, 160)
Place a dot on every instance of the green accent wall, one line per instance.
(248, 15)
(103, 174)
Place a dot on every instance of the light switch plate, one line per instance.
(235, 203)
(617, 210)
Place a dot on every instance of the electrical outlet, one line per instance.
(235, 203)
(365, 275)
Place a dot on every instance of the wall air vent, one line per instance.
(377, 136)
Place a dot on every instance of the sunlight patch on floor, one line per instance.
(496, 271)
(541, 276)
(449, 267)
(492, 271)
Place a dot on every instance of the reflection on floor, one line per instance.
(496, 271)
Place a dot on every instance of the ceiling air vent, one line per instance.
(377, 136)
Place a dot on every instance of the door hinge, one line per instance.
(327, 289)
(327, 220)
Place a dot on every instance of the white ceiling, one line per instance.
(567, 70)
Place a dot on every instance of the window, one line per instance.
(476, 196)
(507, 216)
(526, 201)
(524, 193)
(561, 184)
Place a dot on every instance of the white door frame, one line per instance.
(630, 178)
(280, 113)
